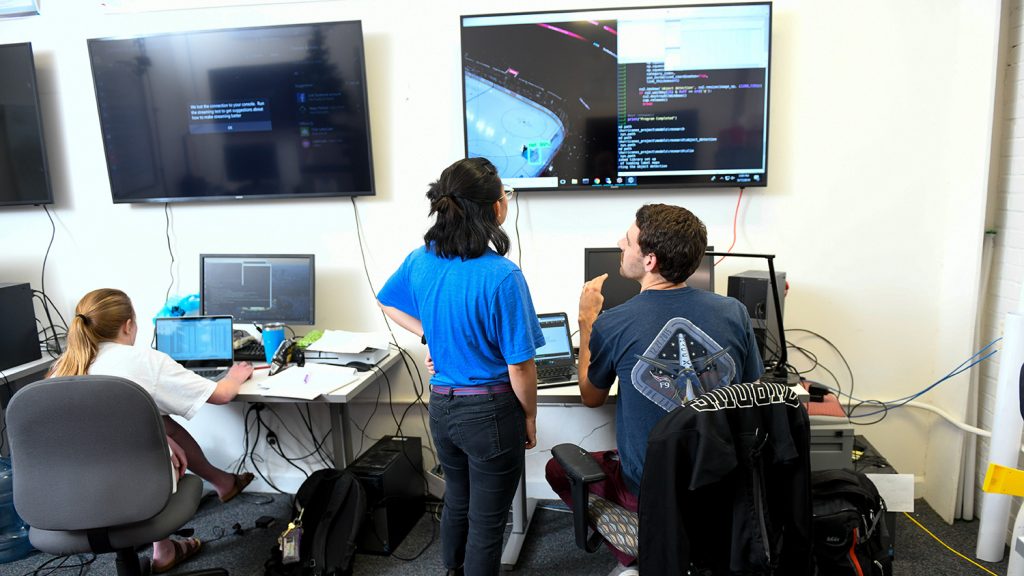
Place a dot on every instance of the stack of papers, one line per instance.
(307, 382)
(340, 347)
(342, 342)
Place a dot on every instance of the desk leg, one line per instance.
(522, 514)
(340, 440)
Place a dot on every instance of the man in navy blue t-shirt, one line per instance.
(661, 249)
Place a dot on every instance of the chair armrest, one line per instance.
(579, 465)
(581, 469)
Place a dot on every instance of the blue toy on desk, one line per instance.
(175, 306)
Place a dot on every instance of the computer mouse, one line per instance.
(360, 366)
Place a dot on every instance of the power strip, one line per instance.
(435, 482)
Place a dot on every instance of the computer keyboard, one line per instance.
(555, 372)
(251, 350)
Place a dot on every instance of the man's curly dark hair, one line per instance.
(676, 237)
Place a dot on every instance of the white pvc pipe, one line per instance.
(1005, 445)
(1016, 566)
(969, 469)
(949, 418)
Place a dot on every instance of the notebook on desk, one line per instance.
(200, 343)
(556, 362)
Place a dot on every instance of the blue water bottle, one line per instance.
(14, 544)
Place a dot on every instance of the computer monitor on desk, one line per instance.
(259, 288)
(616, 290)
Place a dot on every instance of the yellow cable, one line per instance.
(921, 526)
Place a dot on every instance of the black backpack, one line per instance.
(331, 505)
(850, 535)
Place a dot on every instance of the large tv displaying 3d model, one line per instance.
(270, 112)
(620, 98)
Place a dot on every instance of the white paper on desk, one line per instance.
(342, 342)
(896, 489)
(307, 382)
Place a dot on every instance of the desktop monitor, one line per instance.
(258, 288)
(255, 113)
(616, 290)
(625, 98)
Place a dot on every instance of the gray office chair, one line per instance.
(92, 471)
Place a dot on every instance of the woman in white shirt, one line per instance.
(101, 340)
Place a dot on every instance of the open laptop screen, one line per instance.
(195, 338)
(556, 337)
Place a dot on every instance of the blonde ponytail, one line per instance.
(99, 316)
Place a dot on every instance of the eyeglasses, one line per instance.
(508, 191)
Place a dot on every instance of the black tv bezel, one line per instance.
(312, 285)
(251, 197)
(42, 134)
(658, 182)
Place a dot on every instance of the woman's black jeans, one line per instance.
(480, 442)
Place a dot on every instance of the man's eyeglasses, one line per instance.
(508, 191)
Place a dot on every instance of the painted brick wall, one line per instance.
(1007, 273)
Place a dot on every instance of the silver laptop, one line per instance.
(556, 362)
(200, 343)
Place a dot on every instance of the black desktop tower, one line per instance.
(19, 341)
(754, 289)
(392, 474)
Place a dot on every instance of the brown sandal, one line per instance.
(183, 550)
(241, 481)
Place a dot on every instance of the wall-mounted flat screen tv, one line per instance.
(620, 98)
(270, 112)
(24, 178)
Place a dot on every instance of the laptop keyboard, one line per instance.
(555, 372)
(214, 374)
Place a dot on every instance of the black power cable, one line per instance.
(170, 251)
(418, 390)
(519, 242)
(841, 357)
(42, 279)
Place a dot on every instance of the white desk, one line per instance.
(28, 369)
(523, 506)
(337, 401)
(18, 376)
(14, 378)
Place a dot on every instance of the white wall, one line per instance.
(880, 123)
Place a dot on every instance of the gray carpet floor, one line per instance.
(232, 541)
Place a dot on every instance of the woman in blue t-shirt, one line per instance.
(473, 309)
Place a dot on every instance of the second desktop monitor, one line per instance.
(259, 288)
(616, 290)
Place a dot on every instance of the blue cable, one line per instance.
(960, 369)
(902, 401)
